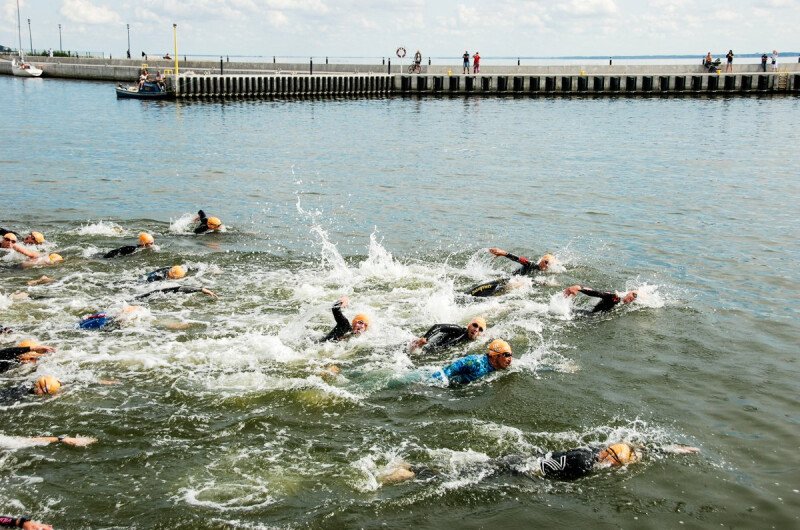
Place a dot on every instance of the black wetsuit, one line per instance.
(14, 394)
(203, 223)
(495, 287)
(343, 326)
(178, 289)
(12, 522)
(8, 357)
(607, 300)
(562, 465)
(121, 251)
(6, 330)
(158, 275)
(442, 336)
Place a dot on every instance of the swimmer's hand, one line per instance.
(43, 349)
(417, 343)
(209, 292)
(343, 301)
(40, 281)
(498, 251)
(571, 291)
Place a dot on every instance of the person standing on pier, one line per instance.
(466, 62)
(729, 66)
(764, 62)
(476, 63)
(774, 60)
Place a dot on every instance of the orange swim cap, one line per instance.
(146, 239)
(361, 317)
(213, 223)
(498, 346)
(176, 273)
(38, 237)
(47, 384)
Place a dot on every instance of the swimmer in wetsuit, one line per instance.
(472, 367)
(344, 328)
(498, 286)
(104, 321)
(145, 241)
(23, 522)
(45, 385)
(26, 351)
(207, 223)
(180, 289)
(607, 300)
(442, 336)
(167, 273)
(572, 464)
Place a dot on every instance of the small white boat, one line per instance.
(20, 67)
(23, 69)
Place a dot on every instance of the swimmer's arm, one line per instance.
(78, 441)
(680, 449)
(24, 251)
(9, 354)
(341, 320)
(165, 290)
(442, 328)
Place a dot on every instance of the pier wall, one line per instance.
(244, 81)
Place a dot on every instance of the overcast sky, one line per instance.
(374, 28)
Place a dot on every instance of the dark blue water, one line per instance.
(228, 422)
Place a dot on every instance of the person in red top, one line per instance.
(476, 63)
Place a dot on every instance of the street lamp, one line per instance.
(129, 40)
(29, 35)
(60, 47)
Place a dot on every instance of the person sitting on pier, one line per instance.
(344, 328)
(442, 336)
(207, 224)
(608, 300)
(498, 286)
(708, 60)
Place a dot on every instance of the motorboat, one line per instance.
(147, 90)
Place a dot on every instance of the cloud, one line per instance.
(85, 12)
(589, 8)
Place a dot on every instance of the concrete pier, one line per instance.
(265, 80)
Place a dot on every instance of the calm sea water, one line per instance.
(227, 422)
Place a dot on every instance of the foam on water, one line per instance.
(101, 228)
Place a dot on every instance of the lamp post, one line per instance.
(129, 40)
(30, 36)
(60, 47)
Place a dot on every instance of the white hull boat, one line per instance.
(24, 69)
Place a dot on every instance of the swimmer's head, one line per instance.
(145, 239)
(34, 238)
(475, 327)
(499, 354)
(27, 344)
(620, 454)
(630, 297)
(546, 261)
(47, 384)
(8, 240)
(360, 323)
(213, 223)
(176, 273)
(55, 258)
